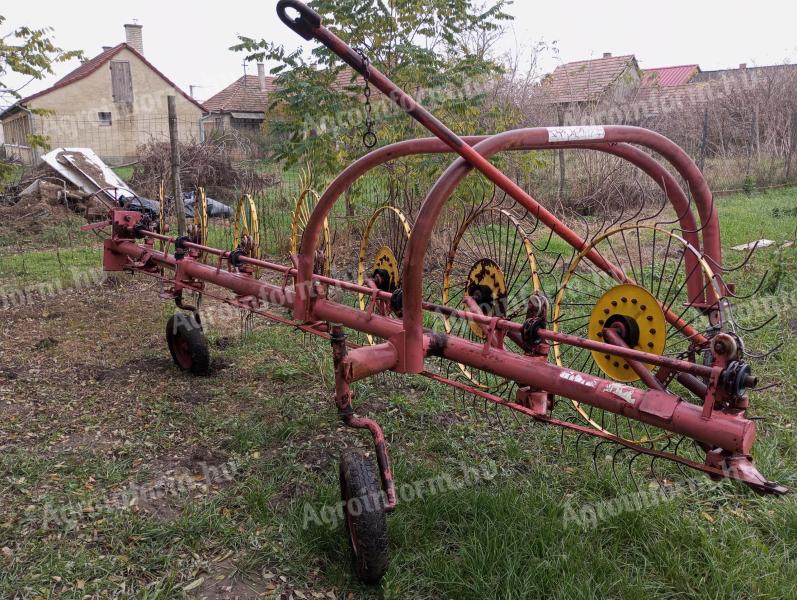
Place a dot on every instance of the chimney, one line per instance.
(133, 37)
(742, 65)
(106, 48)
(607, 55)
(261, 76)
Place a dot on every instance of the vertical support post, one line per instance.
(177, 189)
(703, 142)
(792, 145)
(560, 113)
(343, 396)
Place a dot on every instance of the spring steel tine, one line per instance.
(646, 194)
(769, 386)
(653, 471)
(710, 210)
(631, 469)
(614, 463)
(615, 221)
(757, 327)
(746, 260)
(754, 292)
(594, 454)
(562, 431)
(676, 451)
(635, 215)
(678, 216)
(769, 352)
(547, 242)
(578, 441)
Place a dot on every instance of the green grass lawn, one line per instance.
(105, 382)
(124, 173)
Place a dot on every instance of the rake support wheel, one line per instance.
(188, 344)
(364, 514)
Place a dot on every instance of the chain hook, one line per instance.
(369, 137)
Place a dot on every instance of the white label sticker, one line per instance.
(575, 134)
(621, 391)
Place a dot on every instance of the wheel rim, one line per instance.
(350, 529)
(182, 351)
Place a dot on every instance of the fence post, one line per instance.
(704, 141)
(560, 112)
(792, 145)
(177, 189)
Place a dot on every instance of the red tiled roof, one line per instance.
(584, 80)
(90, 66)
(669, 76)
(244, 94)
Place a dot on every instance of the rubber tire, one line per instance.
(366, 531)
(188, 344)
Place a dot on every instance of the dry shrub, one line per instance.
(209, 164)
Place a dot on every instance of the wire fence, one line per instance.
(740, 128)
(116, 140)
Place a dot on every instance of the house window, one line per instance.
(105, 119)
(121, 82)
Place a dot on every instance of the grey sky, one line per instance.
(190, 43)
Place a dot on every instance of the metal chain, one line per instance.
(369, 137)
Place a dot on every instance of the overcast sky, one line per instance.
(189, 43)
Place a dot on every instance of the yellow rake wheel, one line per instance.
(654, 260)
(162, 214)
(199, 228)
(305, 204)
(491, 260)
(382, 251)
(246, 228)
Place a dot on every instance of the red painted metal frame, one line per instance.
(730, 431)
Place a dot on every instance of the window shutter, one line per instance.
(121, 81)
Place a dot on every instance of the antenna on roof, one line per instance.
(244, 66)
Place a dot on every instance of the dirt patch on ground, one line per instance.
(223, 581)
(149, 365)
(202, 472)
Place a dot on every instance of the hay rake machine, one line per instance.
(623, 334)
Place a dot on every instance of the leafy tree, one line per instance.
(435, 49)
(32, 53)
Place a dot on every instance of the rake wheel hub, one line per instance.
(638, 317)
(385, 270)
(487, 286)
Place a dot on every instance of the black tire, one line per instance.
(188, 344)
(364, 512)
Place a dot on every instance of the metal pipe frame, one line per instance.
(730, 431)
